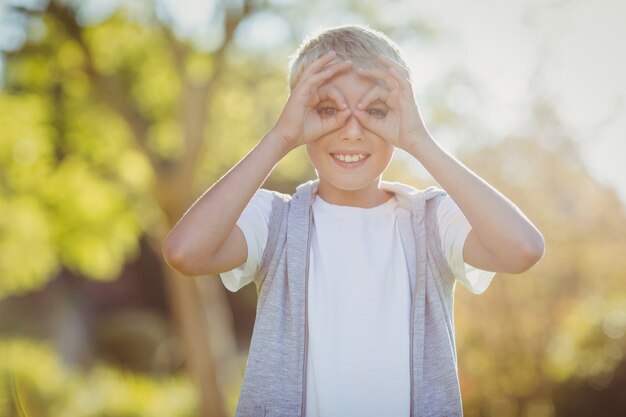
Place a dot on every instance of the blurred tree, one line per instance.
(33, 382)
(111, 128)
(105, 126)
(565, 319)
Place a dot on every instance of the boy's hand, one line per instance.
(402, 126)
(300, 122)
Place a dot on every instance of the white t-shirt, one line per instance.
(358, 302)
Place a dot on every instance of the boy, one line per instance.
(355, 276)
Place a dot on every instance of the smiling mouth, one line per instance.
(350, 158)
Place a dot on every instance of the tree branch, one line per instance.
(196, 97)
(108, 87)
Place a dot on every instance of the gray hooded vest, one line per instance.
(274, 382)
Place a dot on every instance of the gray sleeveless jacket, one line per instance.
(274, 383)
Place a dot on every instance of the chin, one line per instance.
(347, 184)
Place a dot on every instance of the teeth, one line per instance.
(350, 158)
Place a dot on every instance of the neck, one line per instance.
(368, 197)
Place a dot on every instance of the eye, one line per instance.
(327, 111)
(377, 113)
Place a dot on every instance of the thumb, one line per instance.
(339, 120)
(366, 120)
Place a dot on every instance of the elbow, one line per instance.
(184, 261)
(174, 257)
(529, 253)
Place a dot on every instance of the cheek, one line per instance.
(386, 152)
(391, 150)
(315, 152)
(384, 148)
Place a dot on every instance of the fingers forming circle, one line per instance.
(388, 78)
(394, 75)
(329, 91)
(376, 92)
(318, 78)
(390, 63)
(370, 123)
(319, 63)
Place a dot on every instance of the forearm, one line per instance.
(499, 225)
(205, 226)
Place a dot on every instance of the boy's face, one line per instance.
(350, 139)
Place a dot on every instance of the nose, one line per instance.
(352, 129)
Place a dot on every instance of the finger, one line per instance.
(391, 76)
(339, 120)
(388, 62)
(323, 63)
(383, 74)
(398, 67)
(330, 124)
(330, 92)
(319, 63)
(400, 71)
(370, 123)
(374, 93)
(318, 78)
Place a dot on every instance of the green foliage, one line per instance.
(246, 106)
(82, 162)
(76, 210)
(99, 231)
(136, 54)
(73, 186)
(35, 381)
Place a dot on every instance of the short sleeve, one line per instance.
(453, 231)
(254, 224)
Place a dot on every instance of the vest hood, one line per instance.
(406, 194)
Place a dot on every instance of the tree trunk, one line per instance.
(221, 326)
(201, 311)
(190, 313)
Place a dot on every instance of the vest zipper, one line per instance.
(412, 324)
(306, 308)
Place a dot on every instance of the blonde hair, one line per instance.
(358, 43)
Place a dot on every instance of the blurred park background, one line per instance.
(116, 115)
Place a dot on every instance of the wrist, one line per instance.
(418, 146)
(279, 146)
